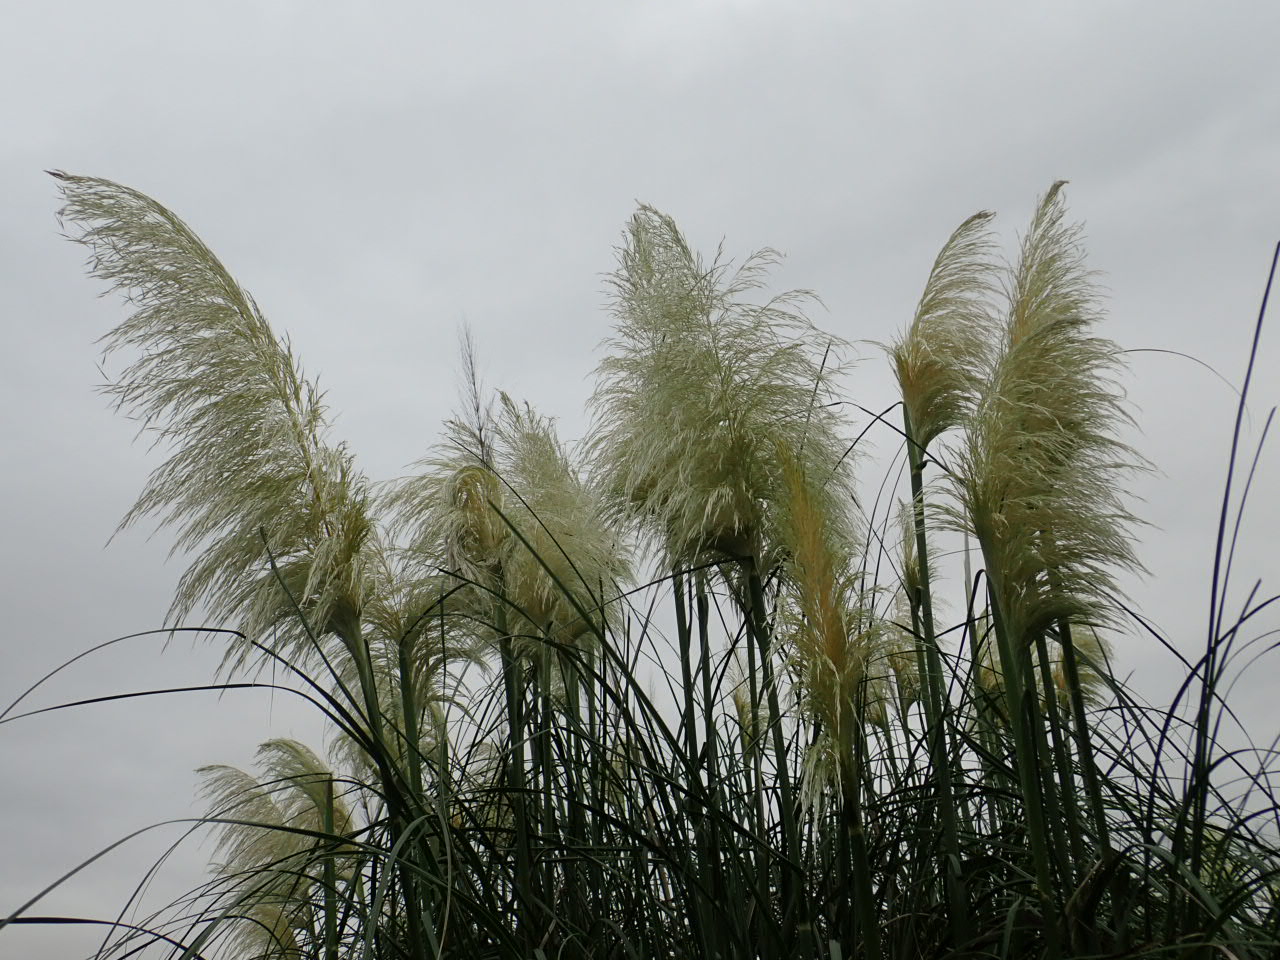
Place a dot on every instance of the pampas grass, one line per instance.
(838, 766)
(251, 471)
(700, 390)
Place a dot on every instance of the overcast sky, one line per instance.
(378, 175)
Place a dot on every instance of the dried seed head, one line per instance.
(1041, 473)
(940, 359)
(698, 388)
(251, 474)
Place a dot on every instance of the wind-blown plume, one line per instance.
(290, 792)
(1041, 471)
(940, 359)
(840, 654)
(752, 718)
(698, 388)
(501, 504)
(271, 873)
(250, 462)
(568, 549)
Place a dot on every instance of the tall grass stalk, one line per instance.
(937, 363)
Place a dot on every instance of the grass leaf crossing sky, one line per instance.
(378, 175)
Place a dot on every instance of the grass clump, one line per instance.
(838, 767)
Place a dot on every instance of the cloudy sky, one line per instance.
(378, 175)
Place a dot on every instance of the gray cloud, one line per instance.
(375, 178)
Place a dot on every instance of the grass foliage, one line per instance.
(676, 692)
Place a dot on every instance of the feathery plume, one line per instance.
(568, 549)
(289, 792)
(501, 504)
(272, 872)
(840, 651)
(250, 459)
(940, 359)
(1041, 471)
(698, 388)
(752, 719)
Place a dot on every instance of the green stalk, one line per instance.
(1066, 800)
(684, 633)
(791, 881)
(576, 832)
(713, 795)
(1060, 857)
(1024, 759)
(1084, 746)
(864, 904)
(1084, 743)
(935, 700)
(516, 774)
(443, 774)
(543, 774)
(412, 733)
(330, 880)
(413, 740)
(1059, 783)
(1080, 725)
(400, 816)
(688, 724)
(597, 749)
(754, 776)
